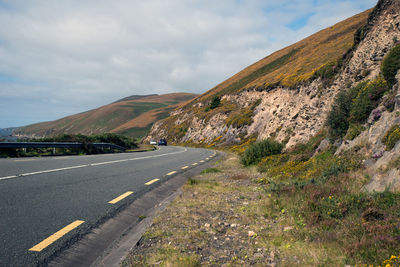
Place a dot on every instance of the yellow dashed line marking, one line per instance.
(115, 200)
(201, 160)
(194, 164)
(152, 181)
(185, 167)
(170, 173)
(51, 239)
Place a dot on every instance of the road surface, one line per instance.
(47, 203)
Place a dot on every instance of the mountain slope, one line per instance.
(287, 95)
(297, 62)
(131, 116)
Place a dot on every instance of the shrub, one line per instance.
(355, 106)
(391, 137)
(391, 64)
(215, 102)
(259, 150)
(367, 99)
(338, 116)
(354, 131)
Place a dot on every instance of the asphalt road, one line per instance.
(41, 196)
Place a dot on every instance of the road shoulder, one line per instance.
(108, 244)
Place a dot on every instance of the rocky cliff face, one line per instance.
(291, 114)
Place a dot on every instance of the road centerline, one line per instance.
(170, 173)
(51, 239)
(121, 197)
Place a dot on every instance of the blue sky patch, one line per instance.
(299, 22)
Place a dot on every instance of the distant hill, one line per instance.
(132, 116)
(6, 132)
(134, 97)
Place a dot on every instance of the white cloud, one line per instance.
(78, 55)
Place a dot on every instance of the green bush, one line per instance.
(391, 64)
(215, 102)
(367, 99)
(354, 131)
(355, 106)
(338, 116)
(391, 137)
(259, 150)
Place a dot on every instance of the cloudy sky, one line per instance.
(62, 57)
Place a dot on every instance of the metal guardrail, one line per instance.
(57, 145)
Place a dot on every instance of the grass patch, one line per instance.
(210, 170)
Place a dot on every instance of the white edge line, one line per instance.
(88, 165)
(8, 177)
